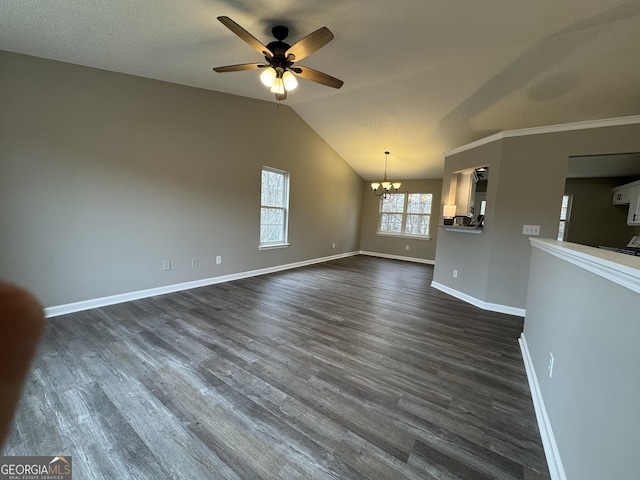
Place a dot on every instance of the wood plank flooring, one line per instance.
(350, 369)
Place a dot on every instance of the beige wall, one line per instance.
(594, 220)
(103, 176)
(592, 398)
(469, 254)
(394, 246)
(525, 186)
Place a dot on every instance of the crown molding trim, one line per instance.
(562, 127)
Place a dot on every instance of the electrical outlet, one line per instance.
(333, 245)
(166, 265)
(531, 230)
(406, 247)
(550, 364)
(455, 273)
(195, 262)
(218, 260)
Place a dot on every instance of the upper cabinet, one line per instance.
(470, 187)
(629, 194)
(621, 196)
(633, 217)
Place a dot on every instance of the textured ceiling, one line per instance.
(421, 77)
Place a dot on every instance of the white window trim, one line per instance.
(285, 243)
(568, 217)
(273, 246)
(404, 219)
(405, 235)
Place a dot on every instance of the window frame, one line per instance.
(565, 220)
(405, 214)
(265, 245)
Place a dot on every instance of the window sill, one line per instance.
(273, 246)
(402, 235)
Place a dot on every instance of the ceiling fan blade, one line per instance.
(246, 36)
(240, 67)
(310, 44)
(316, 76)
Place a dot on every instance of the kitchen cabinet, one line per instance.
(468, 189)
(633, 217)
(629, 194)
(622, 195)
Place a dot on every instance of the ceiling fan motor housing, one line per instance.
(280, 32)
(278, 48)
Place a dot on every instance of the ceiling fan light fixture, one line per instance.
(278, 74)
(267, 77)
(290, 82)
(278, 86)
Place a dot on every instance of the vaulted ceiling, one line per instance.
(420, 76)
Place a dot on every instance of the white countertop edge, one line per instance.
(452, 228)
(615, 267)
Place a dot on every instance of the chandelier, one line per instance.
(385, 188)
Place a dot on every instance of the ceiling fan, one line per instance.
(279, 70)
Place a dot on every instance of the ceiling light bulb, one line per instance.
(375, 185)
(268, 76)
(386, 185)
(396, 185)
(278, 86)
(290, 82)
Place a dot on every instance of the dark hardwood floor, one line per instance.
(349, 369)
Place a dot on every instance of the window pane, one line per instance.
(391, 222)
(272, 189)
(274, 205)
(565, 207)
(561, 230)
(564, 214)
(271, 225)
(419, 203)
(417, 225)
(393, 203)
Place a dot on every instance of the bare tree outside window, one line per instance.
(274, 205)
(406, 214)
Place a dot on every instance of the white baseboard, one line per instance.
(129, 296)
(554, 462)
(398, 257)
(492, 307)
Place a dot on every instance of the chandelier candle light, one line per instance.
(384, 188)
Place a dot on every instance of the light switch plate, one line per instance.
(531, 230)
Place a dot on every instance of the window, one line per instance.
(405, 214)
(274, 208)
(565, 211)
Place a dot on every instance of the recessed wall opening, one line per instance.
(468, 193)
(594, 218)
